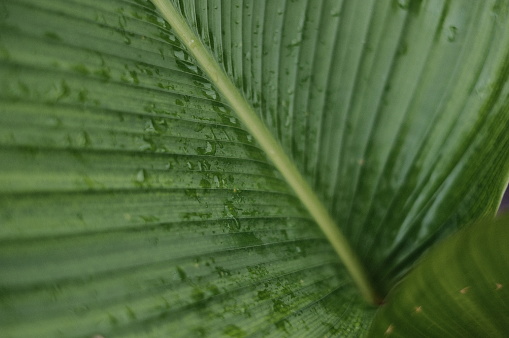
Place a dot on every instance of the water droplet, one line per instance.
(211, 94)
(179, 54)
(217, 181)
(147, 144)
(294, 43)
(62, 91)
(288, 120)
(82, 139)
(197, 294)
(451, 34)
(104, 73)
(53, 36)
(130, 313)
(205, 184)
(149, 127)
(182, 274)
(220, 109)
(190, 67)
(161, 52)
(53, 122)
(81, 68)
(80, 310)
(199, 127)
(160, 20)
(404, 4)
(113, 319)
(141, 176)
(210, 149)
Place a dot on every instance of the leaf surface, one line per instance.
(459, 289)
(386, 107)
(133, 201)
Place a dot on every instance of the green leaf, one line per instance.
(133, 201)
(458, 289)
(386, 107)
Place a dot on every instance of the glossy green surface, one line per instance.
(390, 109)
(133, 201)
(458, 290)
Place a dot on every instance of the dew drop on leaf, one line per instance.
(403, 4)
(140, 176)
(451, 34)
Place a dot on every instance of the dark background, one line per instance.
(504, 206)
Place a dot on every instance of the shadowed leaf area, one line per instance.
(458, 290)
(134, 202)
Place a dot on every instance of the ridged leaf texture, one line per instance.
(133, 202)
(458, 290)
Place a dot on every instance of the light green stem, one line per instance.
(269, 144)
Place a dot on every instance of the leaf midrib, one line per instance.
(269, 145)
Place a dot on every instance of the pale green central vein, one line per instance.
(269, 144)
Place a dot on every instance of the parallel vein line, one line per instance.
(269, 144)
